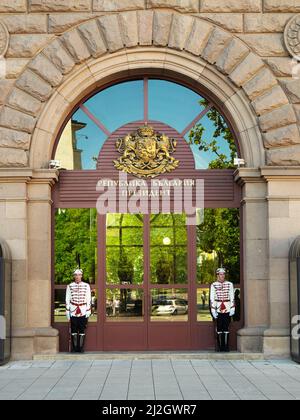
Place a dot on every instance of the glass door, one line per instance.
(146, 285)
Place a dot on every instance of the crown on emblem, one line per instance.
(146, 131)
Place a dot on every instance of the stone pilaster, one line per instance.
(25, 207)
(255, 259)
(283, 198)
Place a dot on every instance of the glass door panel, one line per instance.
(168, 249)
(169, 305)
(124, 249)
(124, 305)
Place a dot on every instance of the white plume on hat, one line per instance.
(77, 271)
(221, 270)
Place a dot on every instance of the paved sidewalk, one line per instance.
(150, 379)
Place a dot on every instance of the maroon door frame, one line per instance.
(220, 191)
(146, 335)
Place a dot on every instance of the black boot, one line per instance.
(222, 347)
(218, 347)
(74, 342)
(81, 343)
(226, 343)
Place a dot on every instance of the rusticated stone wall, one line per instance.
(51, 51)
(241, 38)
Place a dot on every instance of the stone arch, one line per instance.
(96, 50)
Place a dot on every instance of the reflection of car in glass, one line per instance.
(135, 307)
(169, 307)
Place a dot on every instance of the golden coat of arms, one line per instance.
(146, 153)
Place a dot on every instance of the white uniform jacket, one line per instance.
(222, 298)
(78, 299)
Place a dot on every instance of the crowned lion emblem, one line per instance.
(145, 153)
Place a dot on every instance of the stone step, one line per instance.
(150, 355)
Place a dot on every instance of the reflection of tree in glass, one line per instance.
(168, 258)
(124, 252)
(198, 136)
(220, 233)
(75, 239)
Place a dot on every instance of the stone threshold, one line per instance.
(151, 355)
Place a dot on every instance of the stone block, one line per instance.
(59, 5)
(281, 66)
(145, 27)
(231, 56)
(232, 22)
(5, 88)
(246, 69)
(75, 46)
(186, 6)
(199, 37)
(14, 67)
(281, 6)
(8, 6)
(292, 89)
(22, 46)
(24, 102)
(61, 22)
(14, 119)
(161, 28)
(12, 138)
(13, 158)
(34, 85)
(266, 23)
(283, 136)
(266, 45)
(25, 24)
(280, 117)
(59, 56)
(262, 82)
(111, 30)
(180, 31)
(218, 40)
(46, 70)
(229, 6)
(117, 5)
(129, 28)
(271, 100)
(90, 32)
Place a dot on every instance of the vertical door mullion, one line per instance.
(101, 269)
(147, 273)
(192, 281)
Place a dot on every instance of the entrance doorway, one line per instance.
(147, 291)
(149, 273)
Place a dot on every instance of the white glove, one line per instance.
(232, 312)
(88, 314)
(214, 314)
(68, 315)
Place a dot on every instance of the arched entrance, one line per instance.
(149, 280)
(73, 65)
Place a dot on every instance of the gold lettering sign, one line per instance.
(146, 154)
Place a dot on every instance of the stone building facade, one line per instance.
(54, 52)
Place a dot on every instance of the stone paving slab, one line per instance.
(151, 379)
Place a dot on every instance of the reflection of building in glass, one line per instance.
(67, 152)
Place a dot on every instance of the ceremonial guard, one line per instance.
(222, 308)
(78, 309)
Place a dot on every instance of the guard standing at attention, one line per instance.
(78, 309)
(222, 308)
